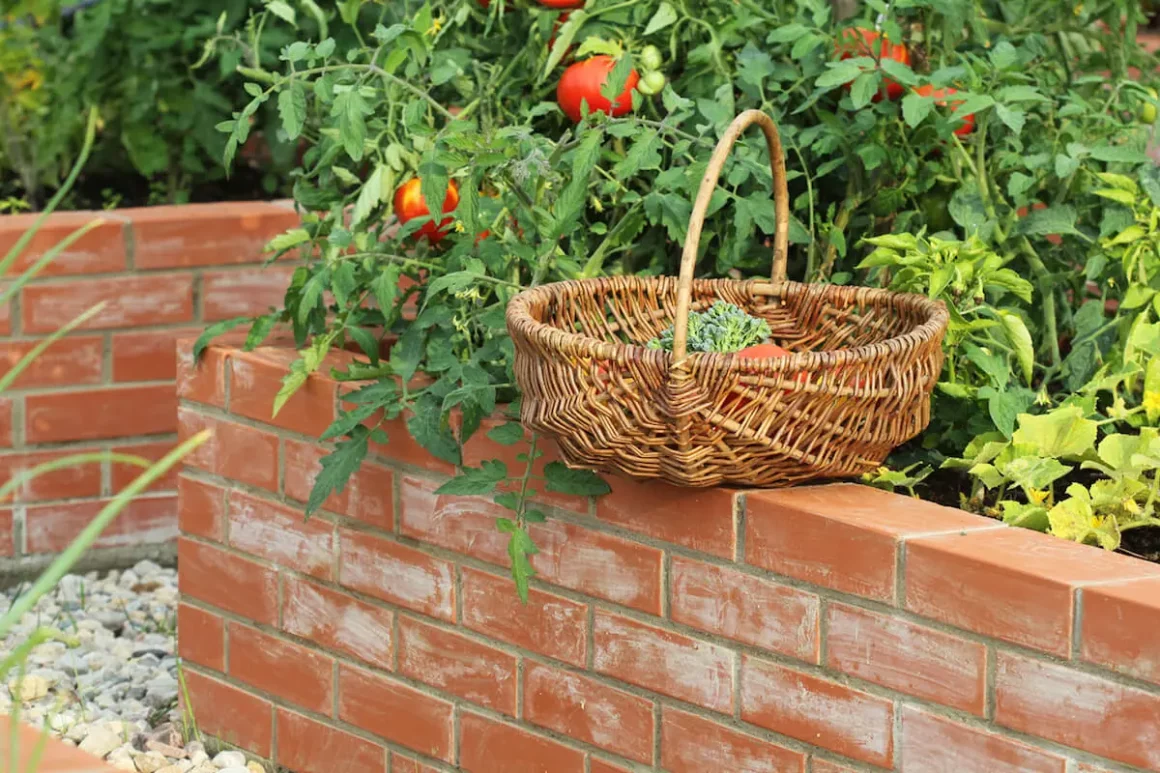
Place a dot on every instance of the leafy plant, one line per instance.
(463, 97)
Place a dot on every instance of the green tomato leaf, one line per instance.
(916, 108)
(213, 331)
(292, 109)
(520, 547)
(472, 481)
(507, 434)
(864, 88)
(665, 15)
(564, 480)
(337, 468)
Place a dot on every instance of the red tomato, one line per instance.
(770, 351)
(940, 100)
(409, 204)
(862, 42)
(582, 82)
(568, 4)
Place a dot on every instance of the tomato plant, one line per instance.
(886, 192)
(409, 205)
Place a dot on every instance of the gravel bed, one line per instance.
(109, 684)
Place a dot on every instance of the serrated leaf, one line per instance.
(1020, 339)
(1056, 219)
(1021, 94)
(427, 427)
(213, 331)
(520, 547)
(288, 239)
(385, 288)
(564, 480)
(292, 109)
(915, 109)
(864, 88)
(617, 79)
(664, 16)
(261, 328)
(1013, 117)
(369, 197)
(786, 33)
(839, 74)
(899, 71)
(337, 468)
(476, 481)
(507, 434)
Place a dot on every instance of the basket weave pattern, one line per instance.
(857, 386)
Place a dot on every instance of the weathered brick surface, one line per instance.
(162, 274)
(845, 630)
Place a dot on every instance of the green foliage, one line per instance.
(723, 328)
(1007, 222)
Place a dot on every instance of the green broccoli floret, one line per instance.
(723, 328)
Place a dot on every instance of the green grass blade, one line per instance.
(70, 461)
(65, 561)
(44, 259)
(26, 237)
(10, 377)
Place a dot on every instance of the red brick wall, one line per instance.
(827, 629)
(165, 272)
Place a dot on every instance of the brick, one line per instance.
(699, 519)
(226, 581)
(100, 251)
(6, 312)
(29, 748)
(306, 746)
(600, 766)
(287, 670)
(402, 448)
(1077, 709)
(480, 447)
(401, 764)
(203, 381)
(5, 422)
(201, 637)
(245, 293)
(1086, 768)
(570, 556)
(933, 743)
(1119, 627)
(123, 474)
(233, 451)
(397, 574)
(747, 609)
(231, 714)
(589, 711)
(486, 746)
(148, 355)
(690, 744)
(458, 665)
(254, 382)
(843, 536)
(1013, 584)
(97, 414)
(668, 663)
(67, 362)
(7, 536)
(132, 301)
(825, 766)
(907, 657)
(81, 480)
(281, 534)
(49, 528)
(392, 710)
(205, 234)
(336, 621)
(368, 496)
(817, 711)
(201, 508)
(548, 624)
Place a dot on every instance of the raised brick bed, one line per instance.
(832, 628)
(56, 757)
(165, 272)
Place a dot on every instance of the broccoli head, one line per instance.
(723, 328)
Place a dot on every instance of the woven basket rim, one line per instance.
(930, 328)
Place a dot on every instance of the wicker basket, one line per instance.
(858, 384)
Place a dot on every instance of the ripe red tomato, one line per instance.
(409, 204)
(941, 100)
(862, 42)
(582, 82)
(568, 4)
(770, 351)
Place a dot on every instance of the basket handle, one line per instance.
(701, 206)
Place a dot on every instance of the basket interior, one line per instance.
(803, 318)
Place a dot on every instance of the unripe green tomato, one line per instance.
(1147, 112)
(650, 58)
(652, 83)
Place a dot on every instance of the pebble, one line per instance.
(109, 686)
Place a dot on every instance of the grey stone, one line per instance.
(100, 741)
(230, 759)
